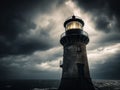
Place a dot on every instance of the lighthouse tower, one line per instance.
(75, 74)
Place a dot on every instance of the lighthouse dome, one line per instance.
(73, 22)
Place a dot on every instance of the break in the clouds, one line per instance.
(30, 32)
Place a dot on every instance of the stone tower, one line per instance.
(75, 74)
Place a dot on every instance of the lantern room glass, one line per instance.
(73, 25)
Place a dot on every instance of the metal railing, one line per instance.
(81, 32)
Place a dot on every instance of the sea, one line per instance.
(53, 84)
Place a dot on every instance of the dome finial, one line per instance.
(73, 16)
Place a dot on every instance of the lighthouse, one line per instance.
(75, 69)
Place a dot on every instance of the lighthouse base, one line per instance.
(76, 84)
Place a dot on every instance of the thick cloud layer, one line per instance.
(16, 23)
(109, 69)
(106, 13)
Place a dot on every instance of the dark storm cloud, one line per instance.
(106, 40)
(103, 12)
(15, 20)
(109, 69)
(110, 39)
(24, 66)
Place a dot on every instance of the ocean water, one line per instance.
(29, 85)
(53, 84)
(107, 84)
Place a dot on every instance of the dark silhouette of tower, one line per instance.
(75, 75)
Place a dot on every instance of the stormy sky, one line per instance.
(30, 32)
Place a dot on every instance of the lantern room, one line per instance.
(73, 23)
(74, 31)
